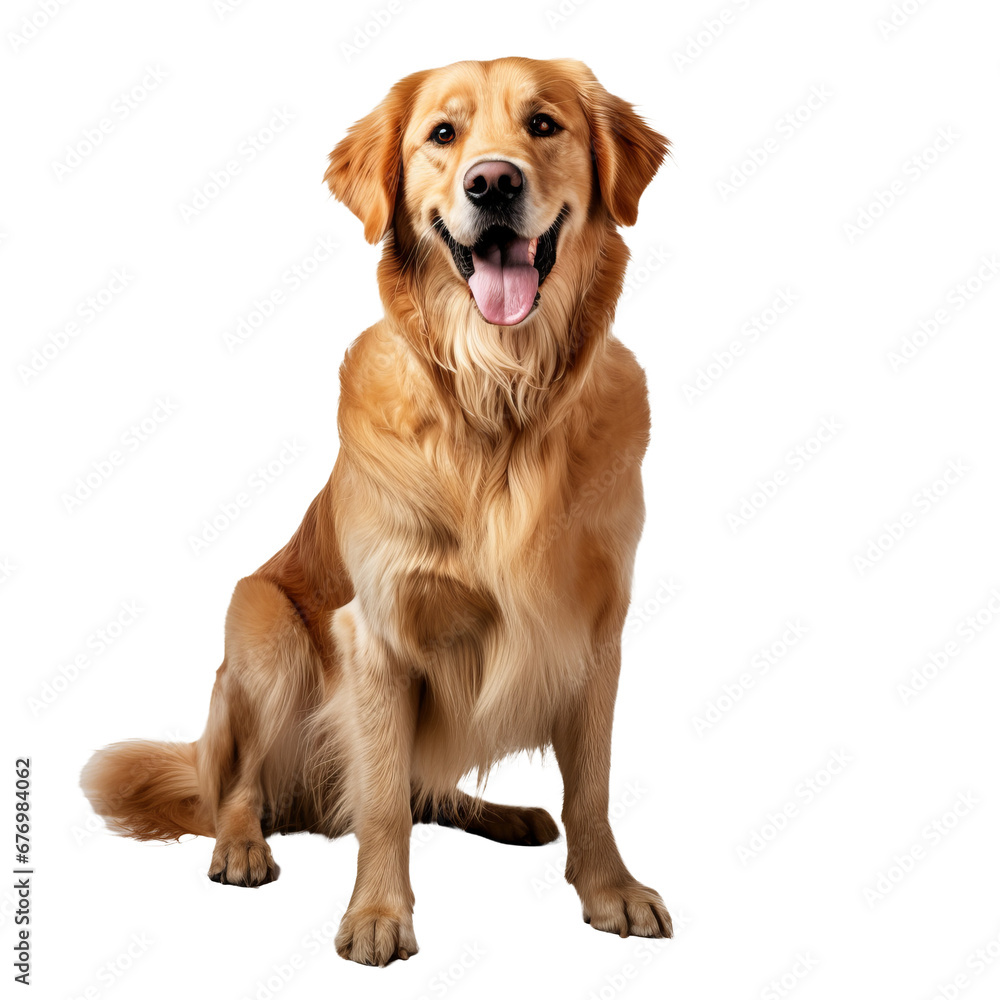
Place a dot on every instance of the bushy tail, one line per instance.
(148, 790)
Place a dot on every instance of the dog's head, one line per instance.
(501, 175)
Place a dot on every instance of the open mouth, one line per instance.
(504, 269)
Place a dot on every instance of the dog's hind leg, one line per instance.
(524, 825)
(262, 693)
(241, 855)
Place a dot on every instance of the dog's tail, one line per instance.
(148, 790)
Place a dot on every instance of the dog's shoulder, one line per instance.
(617, 403)
(623, 372)
(384, 383)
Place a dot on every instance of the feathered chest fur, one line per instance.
(490, 585)
(491, 562)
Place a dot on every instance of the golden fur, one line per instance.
(457, 590)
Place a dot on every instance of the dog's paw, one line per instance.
(528, 825)
(243, 862)
(375, 935)
(627, 908)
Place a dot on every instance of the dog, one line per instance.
(457, 591)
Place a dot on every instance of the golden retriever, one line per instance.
(457, 591)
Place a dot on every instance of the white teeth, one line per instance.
(532, 247)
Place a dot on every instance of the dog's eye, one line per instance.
(542, 125)
(443, 134)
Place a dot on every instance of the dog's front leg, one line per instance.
(612, 899)
(378, 925)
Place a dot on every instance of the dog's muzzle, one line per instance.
(504, 269)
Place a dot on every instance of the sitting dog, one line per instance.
(457, 590)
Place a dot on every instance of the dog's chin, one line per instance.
(503, 269)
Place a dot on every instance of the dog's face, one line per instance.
(496, 171)
(497, 160)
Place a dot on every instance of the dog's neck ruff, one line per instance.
(504, 377)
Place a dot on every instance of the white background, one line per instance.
(807, 913)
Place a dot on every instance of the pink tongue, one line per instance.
(504, 283)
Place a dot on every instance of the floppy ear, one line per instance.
(366, 165)
(626, 151)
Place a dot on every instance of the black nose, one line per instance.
(493, 182)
